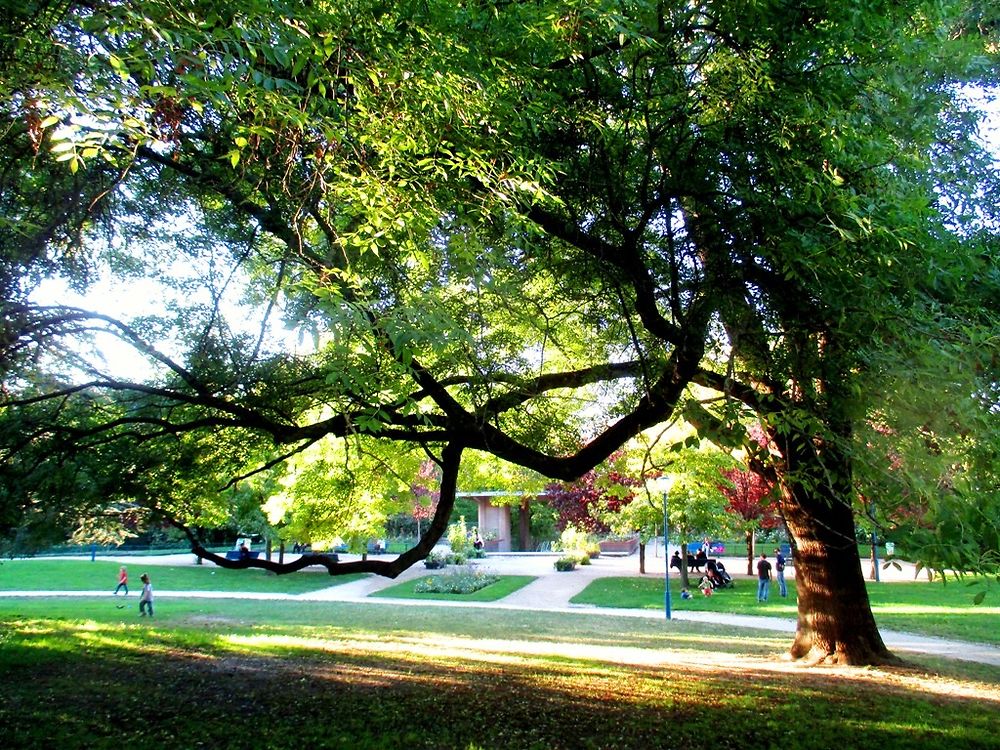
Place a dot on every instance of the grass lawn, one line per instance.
(931, 608)
(232, 674)
(84, 575)
(493, 592)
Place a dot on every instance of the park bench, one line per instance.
(235, 554)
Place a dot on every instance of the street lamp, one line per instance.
(662, 485)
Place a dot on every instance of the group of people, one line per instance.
(145, 598)
(694, 562)
(764, 575)
(764, 569)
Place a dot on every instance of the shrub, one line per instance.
(457, 582)
(565, 563)
(579, 543)
(435, 560)
(458, 537)
(456, 558)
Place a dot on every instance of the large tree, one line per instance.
(488, 213)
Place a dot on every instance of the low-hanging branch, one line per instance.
(450, 460)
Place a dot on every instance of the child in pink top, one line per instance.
(122, 581)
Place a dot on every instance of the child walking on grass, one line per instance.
(122, 581)
(146, 597)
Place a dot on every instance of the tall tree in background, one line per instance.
(615, 202)
(585, 503)
(751, 502)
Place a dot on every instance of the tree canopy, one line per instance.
(526, 229)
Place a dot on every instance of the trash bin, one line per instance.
(890, 549)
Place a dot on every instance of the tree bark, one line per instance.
(750, 539)
(524, 524)
(642, 558)
(835, 621)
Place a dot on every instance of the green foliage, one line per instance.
(567, 563)
(435, 560)
(458, 538)
(696, 504)
(578, 545)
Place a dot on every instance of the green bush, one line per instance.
(565, 563)
(435, 560)
(579, 544)
(456, 582)
(458, 537)
(456, 558)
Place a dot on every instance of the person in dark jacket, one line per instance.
(763, 577)
(779, 572)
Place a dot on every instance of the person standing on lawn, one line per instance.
(122, 580)
(763, 577)
(146, 597)
(779, 572)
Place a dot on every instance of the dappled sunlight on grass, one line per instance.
(328, 685)
(701, 662)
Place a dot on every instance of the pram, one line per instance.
(716, 576)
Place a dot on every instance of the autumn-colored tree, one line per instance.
(425, 494)
(751, 504)
(580, 504)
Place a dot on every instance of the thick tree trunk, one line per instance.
(835, 622)
(642, 559)
(750, 540)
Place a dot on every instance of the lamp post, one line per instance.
(663, 485)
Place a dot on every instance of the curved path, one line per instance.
(551, 591)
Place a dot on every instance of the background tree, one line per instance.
(696, 504)
(750, 504)
(587, 503)
(425, 494)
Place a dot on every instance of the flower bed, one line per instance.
(457, 582)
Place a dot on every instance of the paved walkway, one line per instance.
(552, 591)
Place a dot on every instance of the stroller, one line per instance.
(716, 576)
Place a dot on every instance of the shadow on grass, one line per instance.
(148, 687)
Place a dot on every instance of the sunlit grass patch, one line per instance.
(352, 686)
(84, 575)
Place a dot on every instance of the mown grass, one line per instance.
(504, 586)
(931, 608)
(84, 575)
(231, 673)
